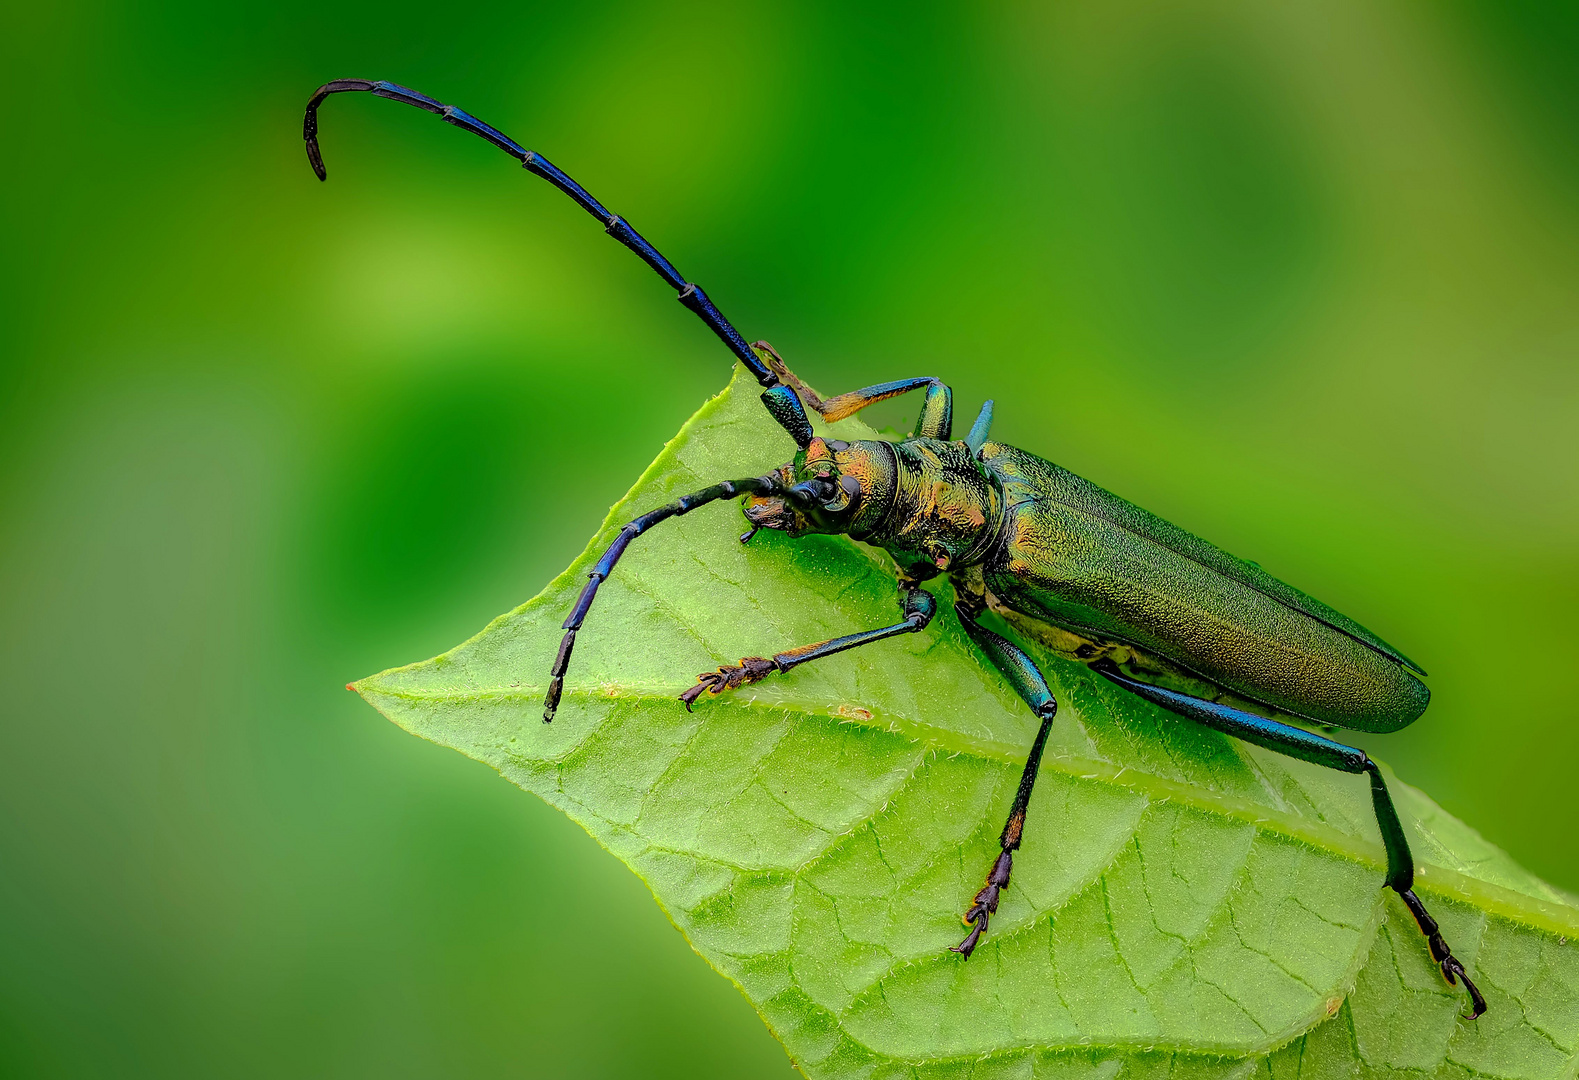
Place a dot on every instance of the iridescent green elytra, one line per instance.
(1150, 607)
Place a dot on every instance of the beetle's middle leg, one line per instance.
(1028, 682)
(917, 604)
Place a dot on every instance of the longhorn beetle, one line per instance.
(1145, 604)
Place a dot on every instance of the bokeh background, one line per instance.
(1300, 277)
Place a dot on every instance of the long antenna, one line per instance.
(690, 295)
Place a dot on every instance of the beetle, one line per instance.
(1149, 607)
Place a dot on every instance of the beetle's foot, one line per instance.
(968, 946)
(777, 365)
(1452, 970)
(985, 906)
(749, 670)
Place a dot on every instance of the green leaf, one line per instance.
(1182, 901)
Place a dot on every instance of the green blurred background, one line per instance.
(1299, 277)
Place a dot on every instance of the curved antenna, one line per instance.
(728, 489)
(690, 295)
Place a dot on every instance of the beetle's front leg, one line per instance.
(937, 410)
(918, 605)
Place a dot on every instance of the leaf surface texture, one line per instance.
(1183, 905)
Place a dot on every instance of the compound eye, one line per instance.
(839, 499)
(815, 490)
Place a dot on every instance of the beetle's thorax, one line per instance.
(946, 509)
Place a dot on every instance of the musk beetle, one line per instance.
(1155, 610)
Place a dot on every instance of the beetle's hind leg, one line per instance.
(1029, 683)
(1307, 746)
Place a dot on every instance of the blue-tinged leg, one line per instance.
(1318, 750)
(978, 431)
(936, 420)
(916, 603)
(1028, 682)
(729, 489)
(781, 403)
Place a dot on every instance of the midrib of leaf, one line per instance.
(1104, 743)
(1549, 915)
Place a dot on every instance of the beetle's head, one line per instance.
(830, 487)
